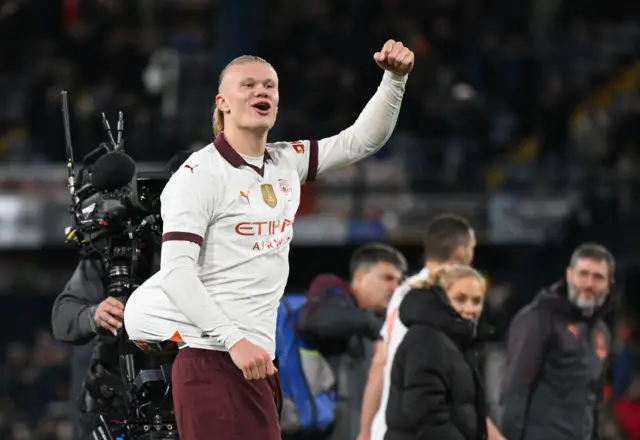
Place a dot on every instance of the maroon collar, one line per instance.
(233, 157)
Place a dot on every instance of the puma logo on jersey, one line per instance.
(190, 168)
(244, 196)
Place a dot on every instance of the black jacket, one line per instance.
(436, 390)
(556, 370)
(331, 319)
(332, 322)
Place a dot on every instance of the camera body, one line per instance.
(148, 400)
(115, 213)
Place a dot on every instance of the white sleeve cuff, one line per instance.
(232, 339)
(391, 77)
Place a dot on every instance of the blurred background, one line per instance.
(521, 115)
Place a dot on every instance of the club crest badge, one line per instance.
(285, 188)
(269, 195)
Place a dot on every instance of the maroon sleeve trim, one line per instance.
(313, 161)
(182, 236)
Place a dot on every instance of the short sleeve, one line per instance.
(304, 155)
(187, 203)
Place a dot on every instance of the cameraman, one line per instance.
(84, 315)
(81, 313)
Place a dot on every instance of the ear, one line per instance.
(357, 275)
(221, 103)
(458, 253)
(568, 273)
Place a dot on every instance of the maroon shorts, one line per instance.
(213, 400)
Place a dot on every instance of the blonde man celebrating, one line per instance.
(228, 216)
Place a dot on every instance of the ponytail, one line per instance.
(435, 278)
(446, 276)
(218, 122)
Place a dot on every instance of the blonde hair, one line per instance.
(447, 276)
(218, 116)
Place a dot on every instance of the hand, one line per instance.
(364, 436)
(492, 431)
(109, 315)
(254, 361)
(395, 58)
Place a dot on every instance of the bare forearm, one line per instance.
(492, 431)
(372, 397)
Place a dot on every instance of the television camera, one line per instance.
(115, 213)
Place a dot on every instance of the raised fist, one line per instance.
(395, 58)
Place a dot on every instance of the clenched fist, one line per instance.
(254, 361)
(395, 58)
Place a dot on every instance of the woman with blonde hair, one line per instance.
(436, 389)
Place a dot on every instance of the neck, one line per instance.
(246, 142)
(432, 265)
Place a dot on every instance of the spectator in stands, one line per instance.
(558, 348)
(342, 320)
(627, 411)
(436, 391)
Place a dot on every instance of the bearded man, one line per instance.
(558, 348)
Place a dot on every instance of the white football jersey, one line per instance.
(228, 224)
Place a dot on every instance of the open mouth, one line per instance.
(262, 107)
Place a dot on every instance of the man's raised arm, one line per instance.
(187, 210)
(370, 131)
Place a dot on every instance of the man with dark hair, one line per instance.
(375, 271)
(558, 347)
(449, 238)
(342, 320)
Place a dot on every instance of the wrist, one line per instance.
(231, 340)
(90, 317)
(395, 78)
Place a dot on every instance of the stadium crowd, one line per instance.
(487, 77)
